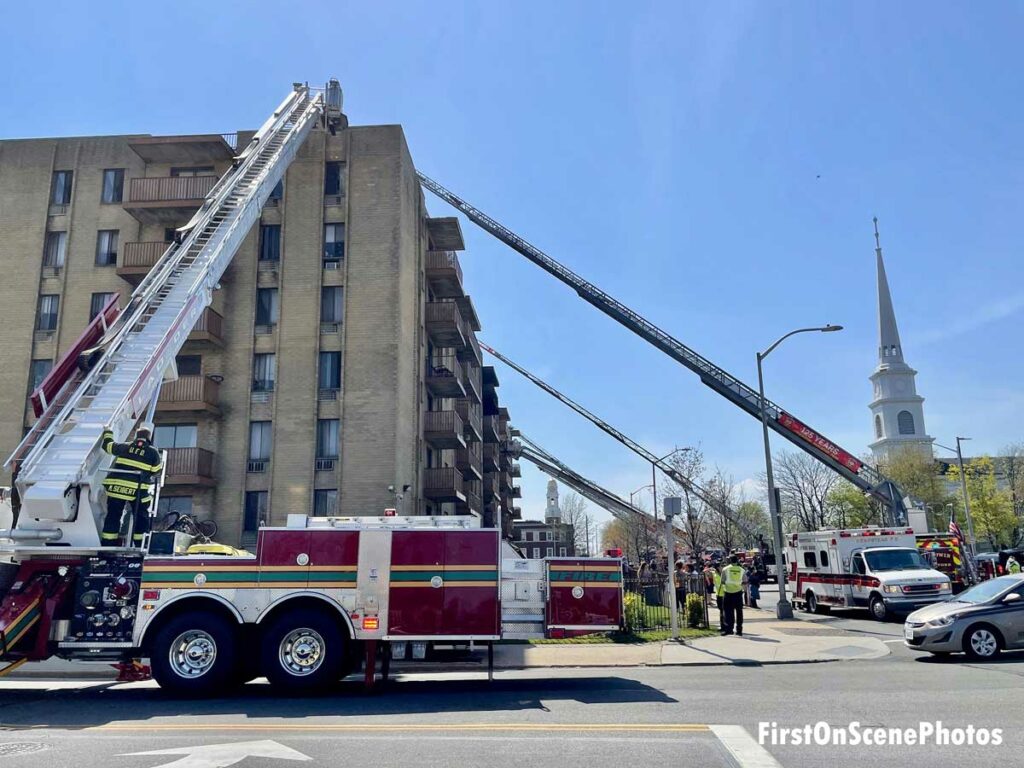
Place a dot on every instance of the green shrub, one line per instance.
(694, 610)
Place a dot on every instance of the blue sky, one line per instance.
(714, 165)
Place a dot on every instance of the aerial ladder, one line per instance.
(617, 507)
(114, 383)
(678, 477)
(865, 477)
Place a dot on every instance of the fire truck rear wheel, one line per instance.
(192, 654)
(303, 649)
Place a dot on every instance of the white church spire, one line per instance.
(897, 410)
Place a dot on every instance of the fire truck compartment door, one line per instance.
(416, 596)
(584, 593)
(284, 557)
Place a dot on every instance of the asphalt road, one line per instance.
(565, 718)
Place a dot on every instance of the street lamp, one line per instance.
(634, 493)
(963, 489)
(784, 609)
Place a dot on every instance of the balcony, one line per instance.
(446, 376)
(490, 486)
(185, 150)
(471, 419)
(445, 325)
(189, 393)
(471, 506)
(469, 461)
(136, 259)
(443, 484)
(471, 352)
(468, 312)
(443, 429)
(444, 273)
(445, 233)
(516, 492)
(491, 429)
(189, 466)
(167, 200)
(209, 328)
(473, 387)
(515, 470)
(490, 456)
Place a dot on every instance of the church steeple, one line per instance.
(889, 348)
(897, 410)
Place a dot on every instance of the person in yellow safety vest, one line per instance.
(128, 483)
(734, 578)
(1012, 566)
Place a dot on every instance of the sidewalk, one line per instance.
(766, 640)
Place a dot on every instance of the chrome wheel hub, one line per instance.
(193, 653)
(302, 651)
(983, 642)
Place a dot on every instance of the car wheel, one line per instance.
(982, 642)
(878, 610)
(193, 654)
(303, 650)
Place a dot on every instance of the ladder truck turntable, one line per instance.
(318, 594)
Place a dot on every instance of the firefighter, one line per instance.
(734, 578)
(1012, 566)
(128, 483)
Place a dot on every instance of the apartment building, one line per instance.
(337, 371)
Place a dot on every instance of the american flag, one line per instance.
(955, 530)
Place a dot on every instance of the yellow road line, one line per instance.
(403, 727)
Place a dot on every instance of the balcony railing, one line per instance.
(444, 273)
(137, 258)
(189, 466)
(471, 352)
(161, 189)
(209, 327)
(473, 385)
(471, 418)
(472, 504)
(189, 393)
(446, 376)
(470, 461)
(444, 429)
(490, 486)
(491, 429)
(443, 484)
(445, 325)
(515, 470)
(491, 456)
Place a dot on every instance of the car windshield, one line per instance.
(985, 591)
(895, 560)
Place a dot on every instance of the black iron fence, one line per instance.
(647, 604)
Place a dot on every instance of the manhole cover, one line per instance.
(11, 748)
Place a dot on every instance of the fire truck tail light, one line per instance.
(151, 594)
(371, 623)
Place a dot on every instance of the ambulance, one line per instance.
(880, 569)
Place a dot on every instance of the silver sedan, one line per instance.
(981, 622)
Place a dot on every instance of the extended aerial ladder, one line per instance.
(678, 477)
(59, 465)
(552, 467)
(862, 475)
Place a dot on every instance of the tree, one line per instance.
(914, 471)
(850, 508)
(754, 518)
(1013, 469)
(991, 506)
(630, 536)
(574, 513)
(804, 484)
(689, 464)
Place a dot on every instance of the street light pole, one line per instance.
(967, 500)
(783, 609)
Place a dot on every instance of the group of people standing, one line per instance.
(732, 586)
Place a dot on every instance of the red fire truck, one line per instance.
(317, 597)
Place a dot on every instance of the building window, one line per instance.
(334, 184)
(334, 242)
(327, 438)
(106, 248)
(330, 371)
(169, 234)
(98, 302)
(536, 552)
(113, 185)
(332, 304)
(257, 506)
(270, 242)
(528, 536)
(266, 306)
(261, 438)
(177, 505)
(264, 372)
(905, 422)
(49, 307)
(54, 250)
(199, 170)
(878, 427)
(325, 502)
(60, 191)
(38, 371)
(189, 365)
(175, 436)
(561, 551)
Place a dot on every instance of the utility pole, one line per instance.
(967, 500)
(673, 507)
